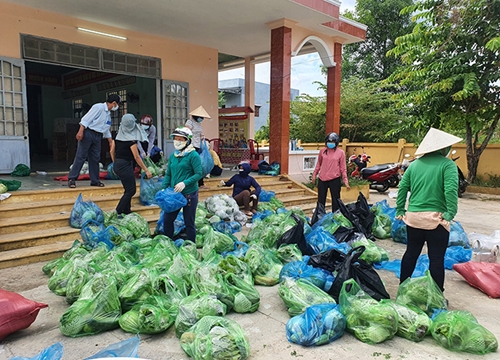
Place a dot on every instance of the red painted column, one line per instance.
(279, 106)
(333, 82)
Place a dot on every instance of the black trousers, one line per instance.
(437, 243)
(125, 171)
(334, 186)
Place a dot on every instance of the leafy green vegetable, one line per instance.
(372, 253)
(246, 296)
(413, 323)
(264, 264)
(150, 317)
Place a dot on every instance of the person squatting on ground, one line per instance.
(183, 172)
(124, 151)
(432, 181)
(194, 124)
(242, 192)
(94, 126)
(145, 147)
(329, 168)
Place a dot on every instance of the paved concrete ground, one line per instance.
(266, 327)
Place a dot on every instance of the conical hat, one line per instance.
(435, 140)
(200, 111)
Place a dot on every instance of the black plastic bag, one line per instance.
(329, 260)
(363, 273)
(361, 210)
(296, 236)
(355, 219)
(319, 212)
(347, 235)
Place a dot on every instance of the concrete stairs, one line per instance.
(34, 225)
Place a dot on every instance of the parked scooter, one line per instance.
(360, 162)
(382, 176)
(462, 182)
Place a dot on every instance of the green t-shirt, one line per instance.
(432, 181)
(186, 169)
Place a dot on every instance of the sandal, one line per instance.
(71, 184)
(99, 184)
(248, 213)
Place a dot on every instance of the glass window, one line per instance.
(176, 106)
(116, 116)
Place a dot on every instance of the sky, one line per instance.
(305, 68)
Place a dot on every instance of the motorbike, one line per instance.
(381, 176)
(462, 182)
(360, 162)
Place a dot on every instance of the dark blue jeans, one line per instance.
(125, 171)
(189, 212)
(88, 148)
(437, 243)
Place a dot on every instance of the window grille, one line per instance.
(116, 116)
(176, 106)
(11, 100)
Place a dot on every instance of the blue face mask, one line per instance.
(199, 119)
(331, 145)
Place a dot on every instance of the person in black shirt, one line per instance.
(124, 151)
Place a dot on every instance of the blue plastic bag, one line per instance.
(398, 232)
(93, 233)
(319, 324)
(169, 200)
(54, 352)
(261, 215)
(301, 270)
(240, 249)
(83, 211)
(458, 237)
(178, 223)
(227, 227)
(456, 254)
(320, 240)
(384, 207)
(148, 189)
(111, 173)
(207, 161)
(266, 196)
(126, 348)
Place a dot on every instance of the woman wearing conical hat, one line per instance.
(194, 124)
(432, 181)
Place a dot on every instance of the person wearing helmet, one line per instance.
(330, 167)
(431, 181)
(194, 123)
(145, 147)
(182, 174)
(124, 151)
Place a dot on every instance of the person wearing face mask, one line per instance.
(194, 124)
(123, 153)
(242, 192)
(182, 174)
(432, 181)
(330, 167)
(145, 147)
(94, 126)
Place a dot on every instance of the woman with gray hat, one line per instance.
(124, 151)
(432, 181)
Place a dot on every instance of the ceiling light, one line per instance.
(102, 33)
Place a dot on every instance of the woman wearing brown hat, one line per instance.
(432, 181)
(194, 124)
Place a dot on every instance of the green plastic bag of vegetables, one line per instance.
(195, 307)
(264, 264)
(413, 323)
(21, 170)
(372, 253)
(206, 279)
(58, 282)
(170, 289)
(246, 296)
(233, 265)
(98, 309)
(11, 185)
(288, 253)
(341, 219)
(150, 317)
(182, 267)
(299, 294)
(217, 241)
(216, 337)
(52, 266)
(382, 226)
(76, 282)
(423, 293)
(137, 288)
(136, 224)
(370, 321)
(460, 331)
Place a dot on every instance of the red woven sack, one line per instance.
(16, 312)
(482, 275)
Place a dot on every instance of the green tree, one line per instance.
(263, 132)
(451, 70)
(307, 118)
(222, 99)
(385, 23)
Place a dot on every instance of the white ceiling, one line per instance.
(235, 27)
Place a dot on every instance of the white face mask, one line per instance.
(114, 108)
(179, 145)
(145, 127)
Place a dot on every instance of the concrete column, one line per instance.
(279, 107)
(333, 82)
(250, 95)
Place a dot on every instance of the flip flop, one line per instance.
(72, 184)
(99, 184)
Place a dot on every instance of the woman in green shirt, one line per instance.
(183, 173)
(432, 181)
